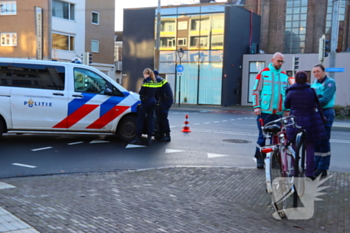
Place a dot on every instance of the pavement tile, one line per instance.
(166, 200)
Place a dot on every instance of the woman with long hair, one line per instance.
(147, 107)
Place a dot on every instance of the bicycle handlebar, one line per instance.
(284, 121)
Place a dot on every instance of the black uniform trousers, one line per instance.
(146, 109)
(163, 111)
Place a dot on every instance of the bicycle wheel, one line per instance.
(278, 185)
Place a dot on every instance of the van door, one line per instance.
(93, 103)
(38, 96)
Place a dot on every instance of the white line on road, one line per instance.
(43, 148)
(23, 165)
(99, 141)
(215, 155)
(172, 151)
(75, 143)
(6, 186)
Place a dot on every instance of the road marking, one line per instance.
(23, 165)
(44, 148)
(224, 120)
(99, 141)
(133, 146)
(215, 122)
(6, 186)
(75, 143)
(206, 123)
(172, 151)
(197, 123)
(215, 155)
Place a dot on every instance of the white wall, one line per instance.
(306, 62)
(75, 28)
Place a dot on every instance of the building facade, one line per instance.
(222, 53)
(58, 30)
(295, 26)
(213, 38)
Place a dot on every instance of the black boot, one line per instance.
(166, 138)
(136, 141)
(149, 140)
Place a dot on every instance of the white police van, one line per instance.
(65, 98)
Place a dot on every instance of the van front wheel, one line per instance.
(2, 127)
(126, 130)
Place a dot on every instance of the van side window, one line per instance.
(32, 76)
(88, 81)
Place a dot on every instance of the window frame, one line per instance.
(98, 46)
(97, 82)
(92, 17)
(71, 15)
(13, 11)
(11, 39)
(70, 37)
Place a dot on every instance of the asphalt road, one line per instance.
(224, 139)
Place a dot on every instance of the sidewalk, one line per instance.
(175, 199)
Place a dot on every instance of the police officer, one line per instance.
(147, 106)
(325, 88)
(164, 97)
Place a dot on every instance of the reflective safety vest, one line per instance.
(269, 91)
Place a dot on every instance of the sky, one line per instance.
(121, 4)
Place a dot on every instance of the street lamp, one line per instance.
(180, 53)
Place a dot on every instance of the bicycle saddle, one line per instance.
(272, 128)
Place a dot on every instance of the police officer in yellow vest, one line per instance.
(147, 107)
(325, 88)
(268, 97)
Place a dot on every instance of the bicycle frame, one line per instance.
(281, 154)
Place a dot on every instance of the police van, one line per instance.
(67, 98)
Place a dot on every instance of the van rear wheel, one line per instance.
(126, 130)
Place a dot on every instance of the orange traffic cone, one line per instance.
(186, 128)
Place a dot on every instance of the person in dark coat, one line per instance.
(147, 107)
(165, 99)
(302, 102)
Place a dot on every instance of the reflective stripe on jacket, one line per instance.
(269, 90)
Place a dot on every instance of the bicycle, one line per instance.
(283, 163)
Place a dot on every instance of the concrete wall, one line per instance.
(307, 61)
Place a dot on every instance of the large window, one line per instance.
(8, 8)
(341, 18)
(199, 32)
(62, 42)
(64, 10)
(9, 39)
(295, 30)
